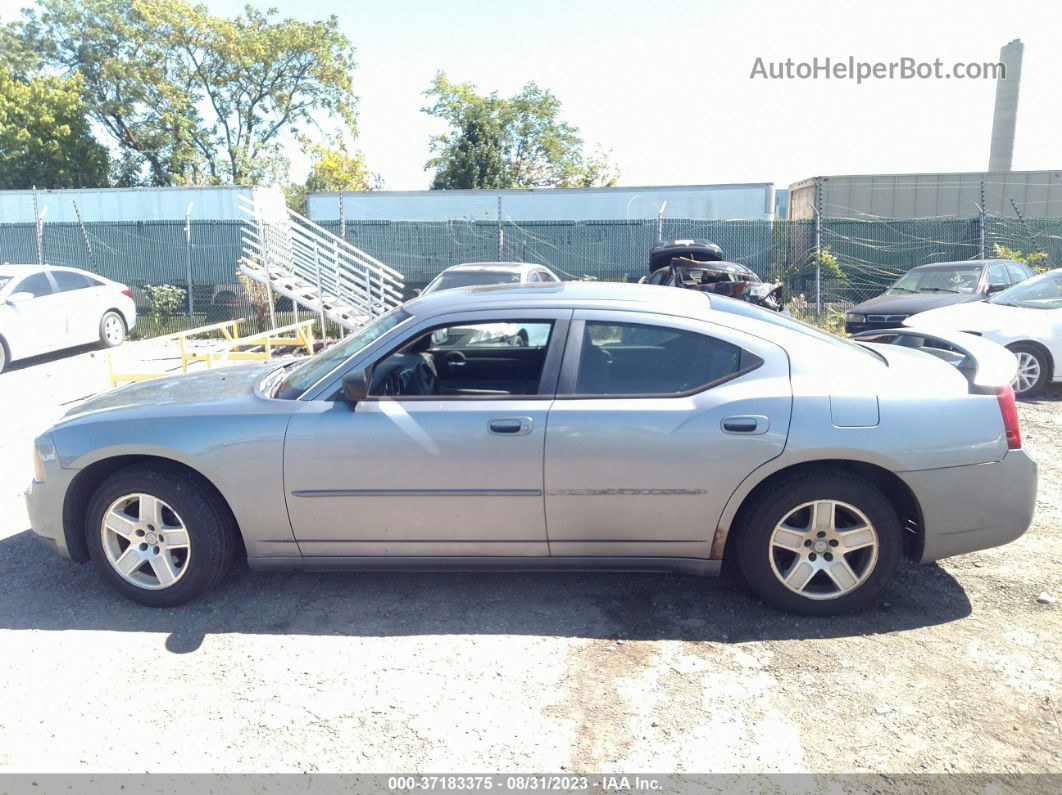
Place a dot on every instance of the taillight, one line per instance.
(1009, 409)
(127, 292)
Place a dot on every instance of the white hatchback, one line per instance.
(45, 308)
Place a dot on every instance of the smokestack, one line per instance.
(1006, 112)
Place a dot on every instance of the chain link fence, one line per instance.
(869, 253)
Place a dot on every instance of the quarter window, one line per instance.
(638, 359)
(37, 285)
(496, 359)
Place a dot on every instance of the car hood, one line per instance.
(912, 304)
(211, 388)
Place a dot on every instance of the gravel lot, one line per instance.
(958, 670)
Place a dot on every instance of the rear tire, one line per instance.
(127, 535)
(1033, 370)
(821, 544)
(112, 329)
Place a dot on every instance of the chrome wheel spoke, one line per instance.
(789, 537)
(823, 516)
(856, 538)
(175, 537)
(120, 523)
(163, 567)
(150, 510)
(129, 561)
(842, 575)
(800, 575)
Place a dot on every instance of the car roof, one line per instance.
(564, 295)
(504, 267)
(977, 263)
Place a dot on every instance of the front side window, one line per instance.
(1041, 292)
(637, 359)
(317, 367)
(494, 359)
(960, 279)
(36, 285)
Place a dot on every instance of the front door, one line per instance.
(36, 323)
(657, 420)
(445, 457)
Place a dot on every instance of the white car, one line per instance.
(1026, 318)
(45, 308)
(478, 274)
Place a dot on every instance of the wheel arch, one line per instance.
(88, 479)
(1043, 349)
(898, 493)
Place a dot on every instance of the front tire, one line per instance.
(112, 329)
(159, 536)
(821, 544)
(1033, 370)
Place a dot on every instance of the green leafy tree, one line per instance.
(45, 138)
(193, 98)
(516, 142)
(1039, 261)
(332, 169)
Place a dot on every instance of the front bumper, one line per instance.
(44, 503)
(969, 508)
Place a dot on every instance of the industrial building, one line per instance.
(1025, 194)
(746, 201)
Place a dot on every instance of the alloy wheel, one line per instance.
(1028, 372)
(145, 541)
(823, 549)
(113, 330)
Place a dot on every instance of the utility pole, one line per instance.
(84, 235)
(818, 249)
(38, 218)
(981, 219)
(501, 232)
(660, 221)
(342, 218)
(188, 263)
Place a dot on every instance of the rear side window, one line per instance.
(637, 359)
(1018, 273)
(37, 285)
(68, 280)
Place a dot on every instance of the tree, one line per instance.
(45, 138)
(334, 169)
(519, 142)
(1039, 261)
(192, 98)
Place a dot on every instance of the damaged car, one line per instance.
(699, 265)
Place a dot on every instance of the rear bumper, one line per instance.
(968, 508)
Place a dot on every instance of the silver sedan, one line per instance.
(642, 428)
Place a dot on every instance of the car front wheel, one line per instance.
(821, 544)
(158, 536)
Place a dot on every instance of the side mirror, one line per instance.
(996, 288)
(355, 386)
(19, 297)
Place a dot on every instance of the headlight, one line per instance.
(38, 465)
(855, 317)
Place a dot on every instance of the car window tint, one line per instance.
(1018, 273)
(68, 280)
(533, 277)
(997, 274)
(546, 277)
(500, 359)
(37, 285)
(631, 358)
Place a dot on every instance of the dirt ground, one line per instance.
(959, 669)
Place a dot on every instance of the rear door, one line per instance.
(657, 420)
(80, 300)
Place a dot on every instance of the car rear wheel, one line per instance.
(158, 536)
(112, 330)
(821, 544)
(1033, 371)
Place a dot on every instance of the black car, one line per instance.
(931, 286)
(699, 265)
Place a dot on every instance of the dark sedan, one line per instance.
(932, 286)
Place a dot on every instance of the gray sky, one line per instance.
(665, 86)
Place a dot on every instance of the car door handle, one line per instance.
(511, 426)
(752, 424)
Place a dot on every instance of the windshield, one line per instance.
(960, 279)
(317, 367)
(1040, 292)
(448, 280)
